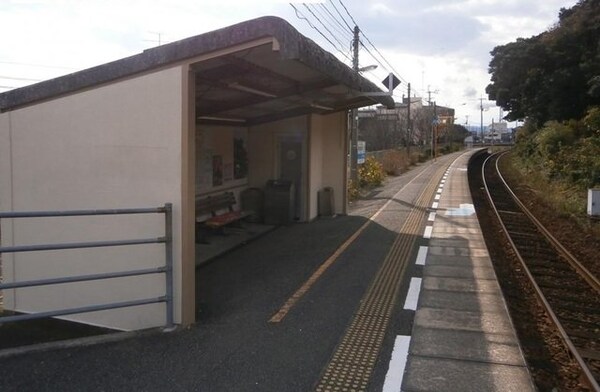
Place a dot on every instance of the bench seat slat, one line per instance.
(215, 206)
(224, 219)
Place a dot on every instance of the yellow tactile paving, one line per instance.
(352, 363)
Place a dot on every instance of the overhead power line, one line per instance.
(389, 65)
(324, 6)
(323, 24)
(383, 57)
(348, 12)
(344, 34)
(341, 16)
(300, 15)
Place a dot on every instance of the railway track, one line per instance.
(569, 293)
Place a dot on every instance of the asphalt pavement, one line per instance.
(233, 346)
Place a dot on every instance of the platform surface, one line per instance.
(462, 337)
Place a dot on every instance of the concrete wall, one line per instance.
(115, 146)
(328, 148)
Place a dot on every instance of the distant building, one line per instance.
(383, 128)
(498, 133)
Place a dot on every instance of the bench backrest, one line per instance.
(212, 204)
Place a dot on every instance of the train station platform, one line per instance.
(398, 295)
(462, 337)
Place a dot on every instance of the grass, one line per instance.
(564, 199)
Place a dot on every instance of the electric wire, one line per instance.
(403, 86)
(336, 20)
(321, 17)
(343, 35)
(383, 57)
(343, 5)
(323, 24)
(300, 15)
(341, 16)
(346, 34)
(368, 40)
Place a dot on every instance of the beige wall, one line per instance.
(114, 146)
(218, 140)
(328, 159)
(262, 150)
(326, 155)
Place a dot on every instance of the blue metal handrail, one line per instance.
(167, 269)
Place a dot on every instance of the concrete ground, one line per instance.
(233, 346)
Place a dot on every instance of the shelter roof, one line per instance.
(283, 75)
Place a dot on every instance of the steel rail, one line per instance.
(587, 373)
(580, 268)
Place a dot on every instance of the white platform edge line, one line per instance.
(412, 297)
(428, 231)
(395, 373)
(422, 255)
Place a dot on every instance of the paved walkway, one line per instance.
(462, 336)
(346, 330)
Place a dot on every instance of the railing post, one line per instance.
(169, 262)
(167, 209)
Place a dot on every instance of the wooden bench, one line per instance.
(217, 211)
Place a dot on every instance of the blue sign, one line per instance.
(361, 151)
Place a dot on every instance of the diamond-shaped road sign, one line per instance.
(391, 77)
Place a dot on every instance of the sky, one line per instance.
(440, 47)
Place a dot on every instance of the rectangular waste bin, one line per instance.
(279, 202)
(326, 202)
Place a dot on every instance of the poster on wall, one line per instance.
(240, 154)
(217, 170)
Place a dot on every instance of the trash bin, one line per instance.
(252, 202)
(326, 202)
(279, 202)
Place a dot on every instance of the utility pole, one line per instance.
(481, 111)
(433, 129)
(354, 120)
(429, 96)
(408, 132)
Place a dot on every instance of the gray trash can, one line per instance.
(252, 200)
(279, 202)
(326, 202)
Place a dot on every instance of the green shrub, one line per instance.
(371, 173)
(353, 191)
(567, 152)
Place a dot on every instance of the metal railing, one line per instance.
(167, 269)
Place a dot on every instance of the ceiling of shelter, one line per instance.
(288, 76)
(255, 86)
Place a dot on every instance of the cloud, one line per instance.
(470, 92)
(443, 44)
(426, 32)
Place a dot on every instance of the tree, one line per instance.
(554, 75)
